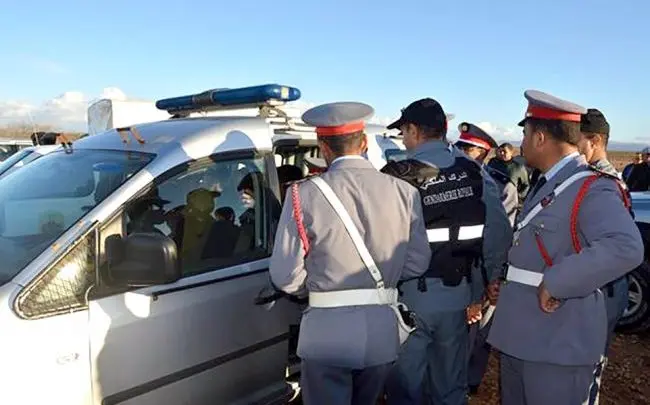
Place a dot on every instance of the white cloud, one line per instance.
(66, 111)
(498, 132)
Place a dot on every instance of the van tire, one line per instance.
(636, 318)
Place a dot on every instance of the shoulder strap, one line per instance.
(351, 228)
(577, 246)
(557, 191)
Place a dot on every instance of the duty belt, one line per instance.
(344, 298)
(521, 276)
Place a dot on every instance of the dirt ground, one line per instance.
(626, 379)
(620, 159)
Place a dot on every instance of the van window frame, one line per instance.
(100, 291)
(97, 291)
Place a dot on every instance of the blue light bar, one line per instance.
(245, 96)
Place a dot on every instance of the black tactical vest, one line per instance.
(454, 214)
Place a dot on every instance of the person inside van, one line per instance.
(225, 214)
(288, 174)
(223, 235)
(196, 225)
(145, 213)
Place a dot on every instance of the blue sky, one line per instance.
(475, 57)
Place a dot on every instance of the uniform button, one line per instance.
(517, 242)
(541, 225)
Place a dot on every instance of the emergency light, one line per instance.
(230, 98)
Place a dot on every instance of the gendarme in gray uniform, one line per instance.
(388, 214)
(612, 248)
(541, 349)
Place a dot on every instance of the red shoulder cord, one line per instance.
(297, 216)
(576, 207)
(575, 240)
(543, 251)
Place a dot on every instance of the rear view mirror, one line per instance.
(141, 260)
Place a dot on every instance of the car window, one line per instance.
(215, 211)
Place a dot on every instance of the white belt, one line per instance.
(522, 276)
(345, 298)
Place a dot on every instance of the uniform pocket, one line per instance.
(545, 232)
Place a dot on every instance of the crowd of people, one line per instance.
(415, 272)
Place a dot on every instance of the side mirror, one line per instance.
(142, 260)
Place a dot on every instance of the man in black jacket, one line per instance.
(505, 163)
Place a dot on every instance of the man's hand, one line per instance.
(547, 303)
(493, 291)
(474, 313)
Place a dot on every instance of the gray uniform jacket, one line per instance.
(508, 190)
(611, 246)
(497, 232)
(388, 214)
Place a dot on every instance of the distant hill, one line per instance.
(613, 146)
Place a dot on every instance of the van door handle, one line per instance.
(67, 358)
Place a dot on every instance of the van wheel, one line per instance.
(636, 317)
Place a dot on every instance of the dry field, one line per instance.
(619, 159)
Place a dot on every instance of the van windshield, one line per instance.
(39, 202)
(13, 159)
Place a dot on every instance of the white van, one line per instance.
(131, 266)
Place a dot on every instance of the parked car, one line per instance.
(23, 157)
(637, 315)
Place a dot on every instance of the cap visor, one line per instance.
(396, 124)
(522, 122)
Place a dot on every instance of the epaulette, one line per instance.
(410, 170)
(397, 168)
(622, 186)
(498, 175)
(603, 173)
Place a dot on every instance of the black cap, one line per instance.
(426, 111)
(594, 122)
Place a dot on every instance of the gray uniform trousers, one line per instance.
(432, 364)
(545, 383)
(326, 385)
(616, 305)
(479, 353)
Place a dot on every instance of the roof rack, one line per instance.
(265, 97)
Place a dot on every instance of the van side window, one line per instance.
(63, 287)
(215, 211)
